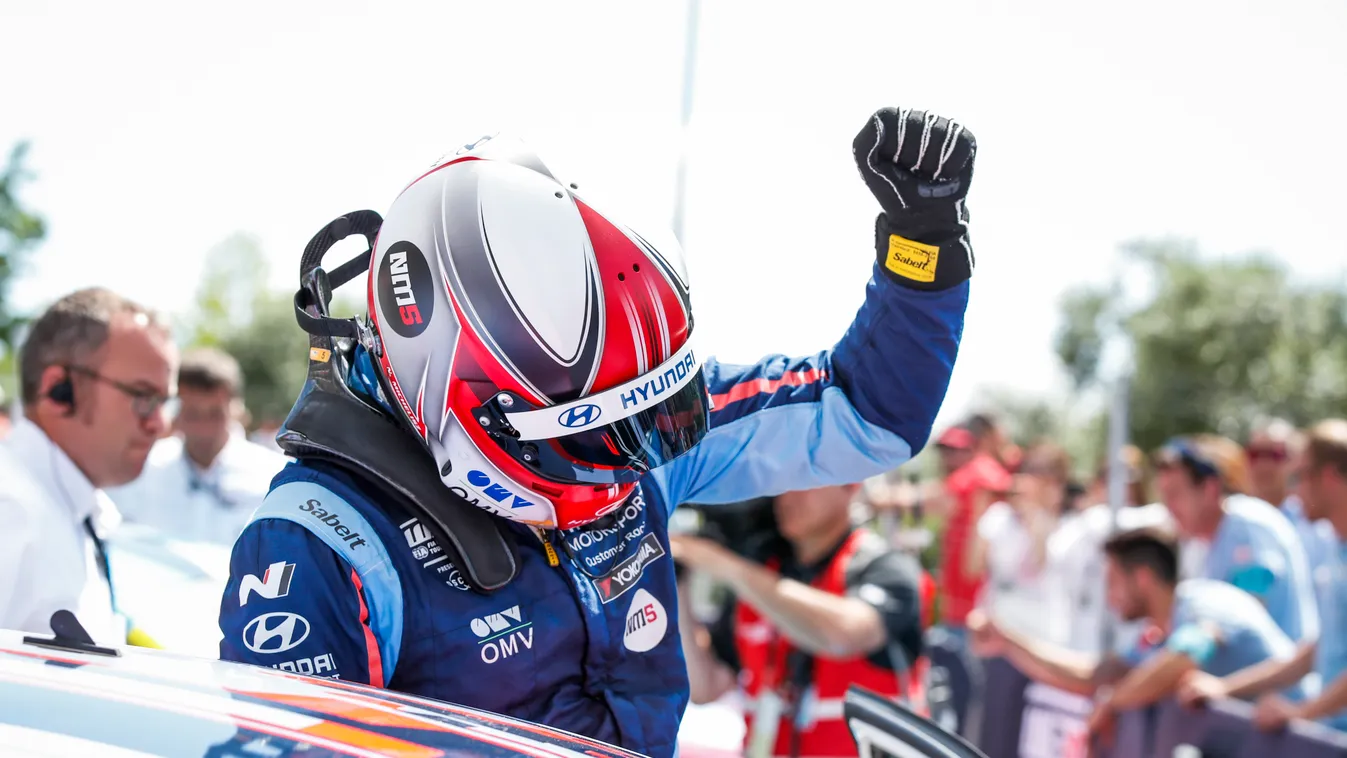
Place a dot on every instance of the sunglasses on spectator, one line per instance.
(1265, 453)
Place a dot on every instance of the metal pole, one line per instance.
(1117, 477)
(689, 85)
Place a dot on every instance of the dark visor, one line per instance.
(620, 452)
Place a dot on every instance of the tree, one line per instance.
(20, 231)
(1080, 427)
(1215, 345)
(273, 353)
(237, 313)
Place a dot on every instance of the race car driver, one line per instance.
(534, 358)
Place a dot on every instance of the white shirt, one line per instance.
(1076, 565)
(1018, 593)
(47, 559)
(175, 496)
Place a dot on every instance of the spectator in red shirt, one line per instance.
(973, 481)
(990, 438)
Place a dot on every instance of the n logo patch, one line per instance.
(273, 584)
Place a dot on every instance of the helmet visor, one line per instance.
(614, 436)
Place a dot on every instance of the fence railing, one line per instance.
(1019, 718)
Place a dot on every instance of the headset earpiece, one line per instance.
(63, 392)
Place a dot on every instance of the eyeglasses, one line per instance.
(145, 403)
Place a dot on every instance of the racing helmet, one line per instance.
(540, 349)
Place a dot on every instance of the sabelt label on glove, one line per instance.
(912, 260)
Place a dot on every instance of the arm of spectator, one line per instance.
(1269, 676)
(708, 677)
(815, 621)
(1273, 712)
(1332, 700)
(1154, 679)
(975, 547)
(1057, 667)
(891, 584)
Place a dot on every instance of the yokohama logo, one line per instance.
(625, 576)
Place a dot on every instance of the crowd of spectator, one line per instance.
(1219, 575)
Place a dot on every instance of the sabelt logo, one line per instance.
(406, 289)
(315, 508)
(615, 583)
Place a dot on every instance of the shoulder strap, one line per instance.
(341, 527)
(332, 426)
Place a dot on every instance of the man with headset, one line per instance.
(95, 373)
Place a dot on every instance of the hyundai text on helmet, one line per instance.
(558, 367)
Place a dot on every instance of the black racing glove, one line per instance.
(919, 165)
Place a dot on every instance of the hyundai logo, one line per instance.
(580, 415)
(275, 632)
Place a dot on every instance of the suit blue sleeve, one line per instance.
(292, 603)
(836, 417)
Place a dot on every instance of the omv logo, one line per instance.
(579, 416)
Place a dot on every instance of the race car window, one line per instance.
(885, 729)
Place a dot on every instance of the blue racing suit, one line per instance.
(328, 580)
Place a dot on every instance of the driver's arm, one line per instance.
(867, 404)
(297, 602)
(836, 417)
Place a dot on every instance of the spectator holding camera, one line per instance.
(837, 607)
(1320, 472)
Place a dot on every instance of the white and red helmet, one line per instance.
(541, 350)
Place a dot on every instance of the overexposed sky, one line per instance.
(161, 128)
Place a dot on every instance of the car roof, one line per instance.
(61, 701)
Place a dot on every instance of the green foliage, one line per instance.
(20, 231)
(237, 313)
(1218, 343)
(1080, 428)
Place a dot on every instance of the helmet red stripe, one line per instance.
(624, 265)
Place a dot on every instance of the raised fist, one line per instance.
(919, 166)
